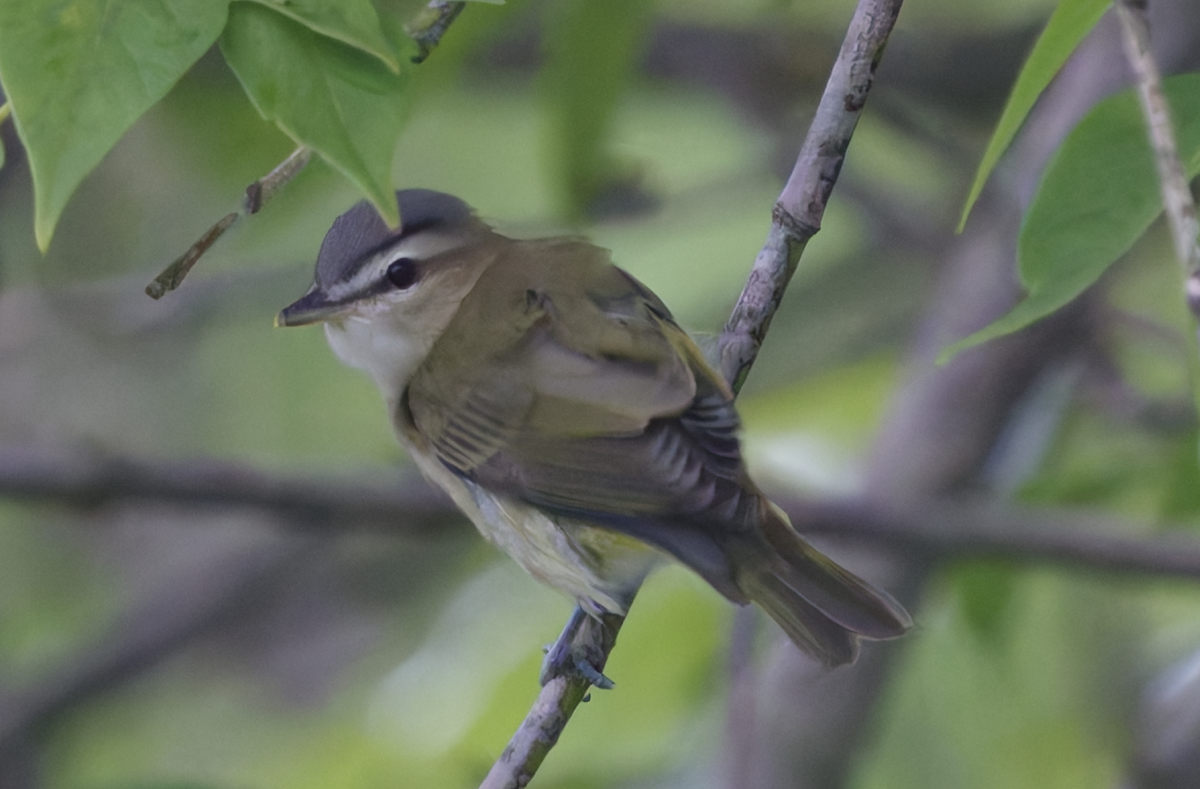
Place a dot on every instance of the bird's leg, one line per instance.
(569, 654)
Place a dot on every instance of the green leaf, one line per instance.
(79, 73)
(1097, 196)
(593, 47)
(1070, 22)
(352, 22)
(337, 100)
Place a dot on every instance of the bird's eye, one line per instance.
(402, 273)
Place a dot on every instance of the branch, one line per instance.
(426, 30)
(93, 480)
(944, 529)
(796, 218)
(962, 530)
(405, 504)
(801, 205)
(431, 24)
(554, 706)
(1177, 197)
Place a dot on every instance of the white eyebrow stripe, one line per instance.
(420, 247)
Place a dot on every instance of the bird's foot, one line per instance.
(567, 658)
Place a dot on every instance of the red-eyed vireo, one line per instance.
(553, 397)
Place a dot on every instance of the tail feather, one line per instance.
(822, 607)
(809, 629)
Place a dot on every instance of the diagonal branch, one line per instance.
(801, 205)
(796, 219)
(426, 30)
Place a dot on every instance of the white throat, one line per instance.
(380, 348)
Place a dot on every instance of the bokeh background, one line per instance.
(147, 641)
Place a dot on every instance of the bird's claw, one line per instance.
(562, 660)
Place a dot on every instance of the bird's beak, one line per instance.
(313, 307)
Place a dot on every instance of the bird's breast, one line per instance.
(601, 569)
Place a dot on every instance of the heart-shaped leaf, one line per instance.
(333, 98)
(79, 73)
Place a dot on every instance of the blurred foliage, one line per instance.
(388, 660)
(1071, 21)
(1097, 196)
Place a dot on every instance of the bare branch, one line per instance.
(801, 205)
(554, 706)
(431, 24)
(259, 193)
(173, 275)
(1177, 197)
(398, 501)
(402, 503)
(964, 530)
(427, 30)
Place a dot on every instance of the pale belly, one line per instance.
(600, 568)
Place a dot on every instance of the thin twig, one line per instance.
(257, 195)
(801, 205)
(427, 30)
(173, 275)
(1177, 197)
(966, 530)
(431, 24)
(553, 708)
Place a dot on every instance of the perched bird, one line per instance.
(554, 398)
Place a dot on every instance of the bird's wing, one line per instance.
(598, 408)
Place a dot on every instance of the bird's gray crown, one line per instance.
(360, 231)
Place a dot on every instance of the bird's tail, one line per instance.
(823, 608)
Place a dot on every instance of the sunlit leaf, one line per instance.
(1097, 197)
(352, 22)
(79, 73)
(333, 98)
(1070, 22)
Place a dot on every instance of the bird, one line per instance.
(555, 399)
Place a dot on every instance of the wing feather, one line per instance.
(591, 404)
